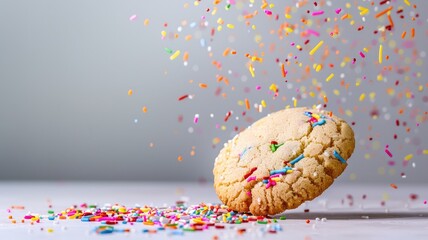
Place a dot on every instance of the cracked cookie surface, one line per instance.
(282, 160)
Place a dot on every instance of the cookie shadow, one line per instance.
(353, 215)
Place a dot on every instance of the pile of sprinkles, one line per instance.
(174, 220)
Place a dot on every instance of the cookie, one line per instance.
(282, 160)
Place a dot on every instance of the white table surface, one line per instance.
(399, 218)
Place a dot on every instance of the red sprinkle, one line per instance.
(393, 186)
(250, 172)
(183, 97)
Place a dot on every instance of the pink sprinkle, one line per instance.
(292, 44)
(268, 12)
(258, 87)
(425, 202)
(388, 152)
(391, 163)
(249, 179)
(338, 10)
(133, 17)
(249, 193)
(268, 185)
(362, 55)
(317, 13)
(195, 120)
(313, 32)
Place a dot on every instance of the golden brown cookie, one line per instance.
(282, 160)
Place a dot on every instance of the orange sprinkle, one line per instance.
(20, 207)
(344, 16)
(203, 85)
(144, 109)
(185, 56)
(129, 92)
(188, 37)
(383, 12)
(284, 73)
(226, 52)
(393, 186)
(247, 104)
(413, 33)
(325, 99)
(390, 21)
(403, 35)
(179, 158)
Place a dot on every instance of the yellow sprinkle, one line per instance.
(50, 230)
(372, 95)
(408, 157)
(407, 2)
(163, 33)
(312, 94)
(276, 179)
(288, 16)
(251, 70)
(365, 50)
(421, 88)
(214, 11)
(318, 68)
(146, 22)
(336, 92)
(425, 151)
(358, 82)
(316, 116)
(175, 55)
(294, 102)
(231, 26)
(273, 87)
(220, 21)
(289, 30)
(362, 96)
(380, 53)
(329, 77)
(129, 92)
(253, 27)
(312, 52)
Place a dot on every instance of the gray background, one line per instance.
(66, 67)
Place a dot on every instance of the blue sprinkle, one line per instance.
(300, 157)
(243, 152)
(265, 181)
(308, 114)
(176, 232)
(319, 123)
(337, 155)
(280, 171)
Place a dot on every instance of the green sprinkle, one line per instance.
(51, 212)
(282, 218)
(168, 50)
(274, 147)
(188, 229)
(262, 222)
